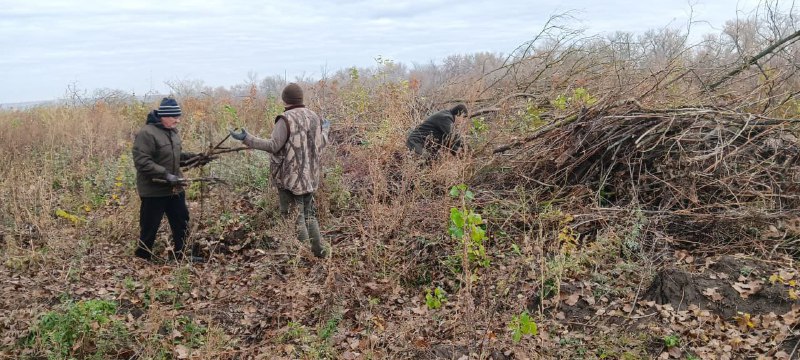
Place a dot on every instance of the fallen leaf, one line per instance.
(745, 321)
(182, 352)
(771, 232)
(378, 322)
(775, 278)
(681, 256)
(349, 355)
(712, 294)
(572, 299)
(675, 352)
(790, 318)
(600, 311)
(747, 289)
(589, 299)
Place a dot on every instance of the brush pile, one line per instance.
(704, 174)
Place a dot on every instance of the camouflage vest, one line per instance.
(296, 167)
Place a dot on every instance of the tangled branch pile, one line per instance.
(705, 173)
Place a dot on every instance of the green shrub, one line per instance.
(84, 329)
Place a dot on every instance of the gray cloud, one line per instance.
(137, 45)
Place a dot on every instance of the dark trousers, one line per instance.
(306, 221)
(150, 214)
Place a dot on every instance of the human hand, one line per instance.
(240, 135)
(172, 179)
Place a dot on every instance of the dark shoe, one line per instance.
(197, 259)
(144, 255)
(323, 253)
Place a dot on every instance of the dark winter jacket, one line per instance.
(434, 133)
(156, 153)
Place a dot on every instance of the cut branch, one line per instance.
(755, 59)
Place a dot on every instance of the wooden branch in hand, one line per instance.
(210, 179)
(227, 150)
(196, 161)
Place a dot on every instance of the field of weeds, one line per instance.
(612, 204)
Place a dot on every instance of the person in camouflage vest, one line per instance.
(295, 147)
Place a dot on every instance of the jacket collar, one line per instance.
(290, 107)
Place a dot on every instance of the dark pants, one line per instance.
(306, 222)
(150, 214)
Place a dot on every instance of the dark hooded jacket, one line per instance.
(434, 133)
(156, 153)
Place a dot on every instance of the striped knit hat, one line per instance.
(169, 108)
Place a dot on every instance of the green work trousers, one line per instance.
(307, 225)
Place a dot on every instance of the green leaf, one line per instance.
(454, 191)
(456, 232)
(560, 102)
(457, 217)
(477, 234)
(469, 195)
(527, 325)
(474, 218)
(434, 299)
(517, 336)
(516, 249)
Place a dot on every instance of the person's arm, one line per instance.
(280, 133)
(143, 146)
(450, 138)
(454, 142)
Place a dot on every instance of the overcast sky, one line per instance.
(136, 46)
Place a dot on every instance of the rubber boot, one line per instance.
(316, 238)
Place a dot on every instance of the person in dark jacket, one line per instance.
(158, 155)
(437, 132)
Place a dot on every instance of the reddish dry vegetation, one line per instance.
(627, 208)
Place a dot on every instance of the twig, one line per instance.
(754, 59)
